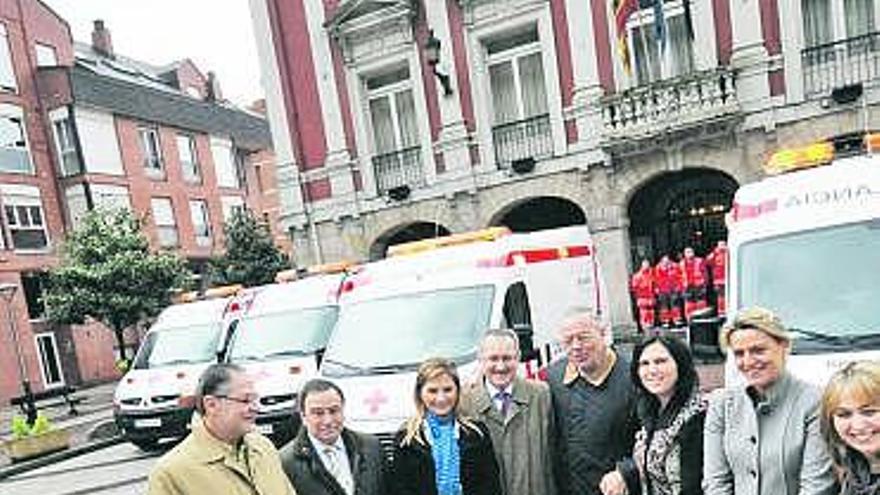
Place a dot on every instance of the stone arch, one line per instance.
(411, 231)
(539, 213)
(671, 210)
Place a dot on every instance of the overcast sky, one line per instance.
(215, 34)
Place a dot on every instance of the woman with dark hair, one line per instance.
(668, 453)
(438, 451)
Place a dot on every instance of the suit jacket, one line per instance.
(309, 476)
(413, 466)
(203, 464)
(523, 440)
(772, 448)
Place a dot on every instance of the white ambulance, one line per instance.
(154, 399)
(436, 297)
(279, 335)
(805, 243)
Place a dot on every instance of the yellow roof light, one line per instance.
(326, 268)
(872, 142)
(791, 159)
(286, 276)
(484, 235)
(212, 293)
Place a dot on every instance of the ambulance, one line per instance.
(805, 243)
(154, 400)
(436, 297)
(279, 335)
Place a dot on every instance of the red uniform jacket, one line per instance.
(642, 284)
(717, 262)
(668, 277)
(693, 272)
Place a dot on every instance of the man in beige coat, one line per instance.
(517, 413)
(222, 454)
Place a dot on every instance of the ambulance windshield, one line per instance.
(399, 332)
(822, 281)
(176, 346)
(298, 332)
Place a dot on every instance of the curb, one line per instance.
(16, 469)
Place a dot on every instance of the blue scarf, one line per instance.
(444, 448)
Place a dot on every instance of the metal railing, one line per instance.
(841, 63)
(677, 103)
(399, 168)
(527, 138)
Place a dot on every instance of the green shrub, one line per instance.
(21, 428)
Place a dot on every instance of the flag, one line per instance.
(659, 25)
(622, 10)
(688, 22)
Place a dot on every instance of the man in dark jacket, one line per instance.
(325, 457)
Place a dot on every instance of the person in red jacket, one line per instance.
(717, 263)
(643, 290)
(668, 279)
(693, 272)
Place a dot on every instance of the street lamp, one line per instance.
(7, 292)
(432, 56)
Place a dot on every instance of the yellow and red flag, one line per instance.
(622, 10)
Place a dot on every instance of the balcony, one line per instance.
(842, 63)
(399, 168)
(694, 104)
(528, 138)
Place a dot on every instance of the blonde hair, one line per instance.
(859, 378)
(429, 370)
(755, 318)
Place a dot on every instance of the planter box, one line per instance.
(25, 448)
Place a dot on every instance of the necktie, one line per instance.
(334, 466)
(505, 399)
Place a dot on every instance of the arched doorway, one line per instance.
(544, 212)
(405, 233)
(679, 209)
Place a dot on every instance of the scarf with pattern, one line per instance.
(444, 449)
(856, 477)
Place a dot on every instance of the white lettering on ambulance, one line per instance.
(848, 193)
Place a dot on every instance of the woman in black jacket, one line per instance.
(437, 451)
(668, 453)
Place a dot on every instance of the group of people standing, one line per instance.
(602, 424)
(670, 292)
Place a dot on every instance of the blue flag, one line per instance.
(659, 25)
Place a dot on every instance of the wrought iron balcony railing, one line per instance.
(527, 138)
(832, 65)
(399, 168)
(670, 105)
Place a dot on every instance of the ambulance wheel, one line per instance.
(147, 444)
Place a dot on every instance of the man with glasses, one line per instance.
(222, 454)
(327, 458)
(518, 414)
(593, 405)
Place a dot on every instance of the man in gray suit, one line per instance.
(517, 413)
(326, 458)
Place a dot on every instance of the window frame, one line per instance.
(152, 162)
(199, 207)
(15, 114)
(14, 223)
(43, 359)
(390, 92)
(165, 242)
(190, 169)
(644, 19)
(6, 58)
(66, 147)
(513, 56)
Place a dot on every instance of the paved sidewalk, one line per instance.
(93, 422)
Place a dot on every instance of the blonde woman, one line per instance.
(437, 451)
(851, 426)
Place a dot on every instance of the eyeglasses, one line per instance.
(241, 400)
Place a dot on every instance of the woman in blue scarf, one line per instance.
(437, 451)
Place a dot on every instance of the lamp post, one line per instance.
(432, 56)
(7, 292)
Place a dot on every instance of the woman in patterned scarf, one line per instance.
(668, 453)
(851, 426)
(437, 451)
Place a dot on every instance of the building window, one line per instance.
(859, 17)
(166, 227)
(14, 154)
(25, 221)
(46, 55)
(50, 364)
(68, 157)
(189, 162)
(201, 222)
(520, 114)
(152, 150)
(674, 60)
(224, 163)
(7, 73)
(231, 205)
(33, 284)
(110, 197)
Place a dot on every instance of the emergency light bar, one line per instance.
(820, 153)
(323, 269)
(415, 247)
(212, 293)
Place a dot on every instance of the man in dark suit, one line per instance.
(327, 458)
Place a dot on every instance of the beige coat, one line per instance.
(201, 464)
(522, 441)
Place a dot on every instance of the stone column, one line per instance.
(749, 55)
(587, 89)
(609, 228)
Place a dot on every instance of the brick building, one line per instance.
(395, 120)
(85, 127)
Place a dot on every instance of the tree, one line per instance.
(251, 258)
(109, 274)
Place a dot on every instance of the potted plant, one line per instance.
(34, 440)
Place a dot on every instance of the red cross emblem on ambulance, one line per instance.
(375, 400)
